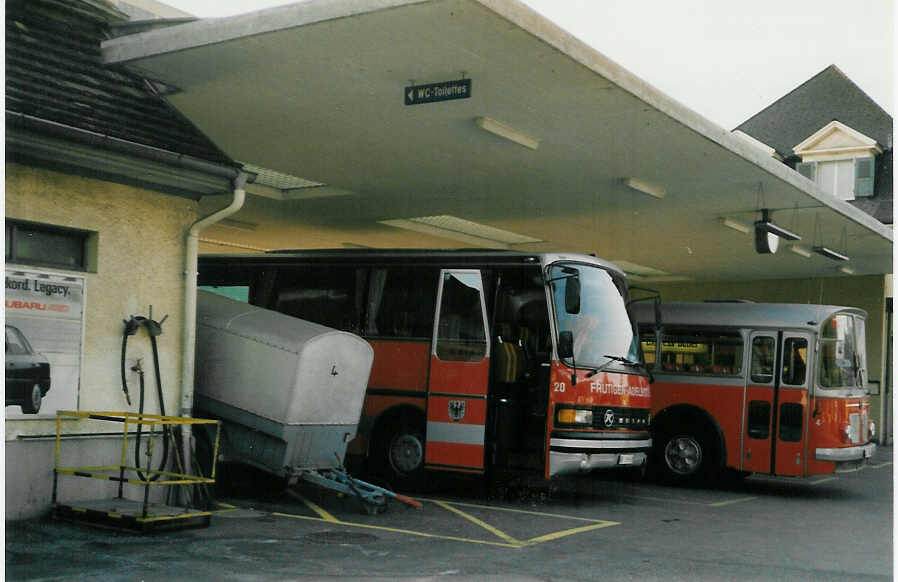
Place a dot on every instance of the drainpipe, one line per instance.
(190, 289)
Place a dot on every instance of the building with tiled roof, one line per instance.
(102, 182)
(833, 133)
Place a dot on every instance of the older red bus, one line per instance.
(757, 387)
(483, 360)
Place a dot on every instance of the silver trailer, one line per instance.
(290, 391)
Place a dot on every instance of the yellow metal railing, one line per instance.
(132, 425)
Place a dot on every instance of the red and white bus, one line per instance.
(766, 388)
(483, 360)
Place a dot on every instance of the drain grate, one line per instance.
(340, 537)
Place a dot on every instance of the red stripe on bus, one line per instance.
(459, 377)
(454, 454)
(399, 364)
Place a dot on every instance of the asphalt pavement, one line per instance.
(832, 527)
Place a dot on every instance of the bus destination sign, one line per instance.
(433, 92)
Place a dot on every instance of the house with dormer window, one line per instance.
(834, 134)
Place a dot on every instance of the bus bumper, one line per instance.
(846, 454)
(570, 455)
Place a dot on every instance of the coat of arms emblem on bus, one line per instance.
(456, 410)
(609, 418)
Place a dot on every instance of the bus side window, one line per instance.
(236, 292)
(323, 295)
(697, 351)
(401, 302)
(647, 343)
(763, 350)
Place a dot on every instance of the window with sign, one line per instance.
(697, 351)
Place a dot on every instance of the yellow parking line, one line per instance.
(314, 507)
(509, 541)
(665, 500)
(731, 501)
(483, 524)
(403, 531)
(568, 532)
(819, 481)
(522, 511)
(227, 507)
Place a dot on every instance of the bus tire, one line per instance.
(400, 453)
(685, 457)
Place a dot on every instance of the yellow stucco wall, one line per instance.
(140, 257)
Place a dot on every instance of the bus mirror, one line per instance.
(566, 345)
(572, 295)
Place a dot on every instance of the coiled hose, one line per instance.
(154, 328)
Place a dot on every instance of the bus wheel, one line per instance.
(402, 452)
(684, 457)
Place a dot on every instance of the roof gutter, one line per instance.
(59, 130)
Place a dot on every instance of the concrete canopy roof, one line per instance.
(315, 90)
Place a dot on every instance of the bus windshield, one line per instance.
(841, 353)
(600, 324)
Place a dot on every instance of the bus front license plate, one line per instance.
(625, 460)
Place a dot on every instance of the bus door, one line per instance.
(757, 411)
(790, 456)
(776, 404)
(459, 374)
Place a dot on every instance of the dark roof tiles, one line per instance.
(54, 73)
(827, 96)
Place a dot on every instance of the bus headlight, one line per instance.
(848, 433)
(574, 416)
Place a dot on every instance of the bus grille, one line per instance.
(613, 417)
(859, 426)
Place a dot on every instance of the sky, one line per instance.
(724, 59)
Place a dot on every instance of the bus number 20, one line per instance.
(559, 387)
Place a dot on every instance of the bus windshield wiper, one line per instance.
(611, 360)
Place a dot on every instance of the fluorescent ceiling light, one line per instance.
(455, 228)
(645, 187)
(667, 279)
(830, 254)
(639, 270)
(846, 270)
(735, 225)
(800, 251)
(511, 134)
(279, 180)
(237, 224)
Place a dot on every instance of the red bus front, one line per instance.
(841, 431)
(599, 400)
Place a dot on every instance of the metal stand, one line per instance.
(123, 513)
